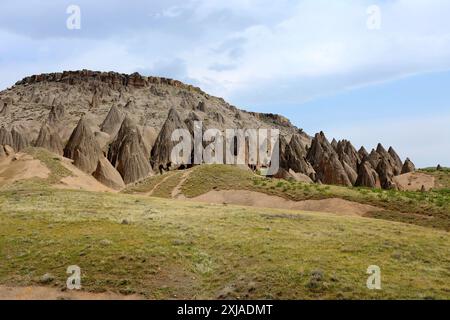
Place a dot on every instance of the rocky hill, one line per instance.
(116, 127)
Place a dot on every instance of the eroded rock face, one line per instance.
(295, 158)
(83, 148)
(108, 175)
(408, 166)
(2, 153)
(397, 162)
(367, 176)
(362, 152)
(326, 163)
(56, 114)
(386, 173)
(112, 122)
(348, 154)
(127, 153)
(50, 140)
(20, 141)
(6, 137)
(161, 152)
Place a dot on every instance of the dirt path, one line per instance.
(261, 200)
(44, 293)
(176, 192)
(158, 184)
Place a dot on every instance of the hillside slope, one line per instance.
(173, 249)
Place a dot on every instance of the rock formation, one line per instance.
(20, 141)
(112, 122)
(386, 173)
(396, 160)
(127, 153)
(325, 161)
(348, 154)
(83, 148)
(108, 175)
(2, 153)
(367, 176)
(362, 152)
(49, 140)
(56, 114)
(161, 152)
(6, 137)
(408, 166)
(294, 158)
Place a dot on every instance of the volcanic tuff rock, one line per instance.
(2, 153)
(6, 137)
(348, 154)
(325, 161)
(128, 152)
(386, 174)
(108, 175)
(397, 161)
(112, 122)
(83, 148)
(408, 166)
(362, 152)
(49, 140)
(367, 176)
(161, 152)
(295, 158)
(131, 111)
(19, 140)
(56, 114)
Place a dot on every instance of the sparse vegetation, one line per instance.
(174, 249)
(430, 209)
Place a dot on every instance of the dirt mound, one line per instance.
(21, 167)
(414, 181)
(80, 180)
(261, 200)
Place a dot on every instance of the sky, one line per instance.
(368, 71)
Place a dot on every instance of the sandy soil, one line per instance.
(261, 200)
(44, 293)
(414, 181)
(20, 167)
(80, 180)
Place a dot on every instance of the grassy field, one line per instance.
(174, 249)
(442, 176)
(430, 209)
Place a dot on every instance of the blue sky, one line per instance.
(315, 61)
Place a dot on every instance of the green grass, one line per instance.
(52, 162)
(442, 176)
(174, 249)
(431, 209)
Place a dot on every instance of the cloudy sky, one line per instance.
(336, 66)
